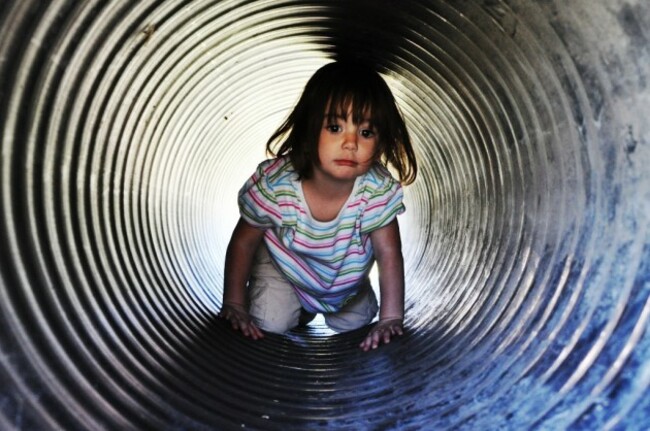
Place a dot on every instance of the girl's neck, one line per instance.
(326, 198)
(331, 188)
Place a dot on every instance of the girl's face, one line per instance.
(345, 149)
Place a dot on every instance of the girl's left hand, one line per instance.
(383, 331)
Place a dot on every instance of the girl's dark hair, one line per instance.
(336, 87)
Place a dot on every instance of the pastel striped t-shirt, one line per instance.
(326, 262)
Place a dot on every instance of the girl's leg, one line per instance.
(355, 314)
(274, 305)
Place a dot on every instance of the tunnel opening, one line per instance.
(127, 130)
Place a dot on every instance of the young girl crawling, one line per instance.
(316, 217)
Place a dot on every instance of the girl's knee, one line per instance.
(272, 310)
(357, 314)
(345, 322)
(274, 305)
(277, 324)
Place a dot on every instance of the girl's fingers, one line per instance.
(381, 333)
(252, 331)
(371, 340)
(367, 342)
(245, 325)
(240, 322)
(255, 332)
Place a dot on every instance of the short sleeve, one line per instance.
(257, 200)
(385, 202)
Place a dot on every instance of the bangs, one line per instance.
(360, 104)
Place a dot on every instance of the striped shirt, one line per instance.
(326, 262)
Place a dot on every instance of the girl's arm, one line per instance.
(388, 253)
(239, 259)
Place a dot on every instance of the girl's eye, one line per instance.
(333, 128)
(367, 133)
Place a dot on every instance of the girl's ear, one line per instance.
(377, 156)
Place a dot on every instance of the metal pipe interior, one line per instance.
(128, 127)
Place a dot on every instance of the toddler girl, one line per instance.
(316, 217)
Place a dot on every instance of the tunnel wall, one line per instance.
(128, 127)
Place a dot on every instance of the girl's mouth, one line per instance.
(343, 162)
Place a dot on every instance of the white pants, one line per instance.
(274, 305)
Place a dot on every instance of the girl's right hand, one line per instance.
(240, 320)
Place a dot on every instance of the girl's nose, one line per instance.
(350, 140)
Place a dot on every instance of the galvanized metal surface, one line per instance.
(127, 128)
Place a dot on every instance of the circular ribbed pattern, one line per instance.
(128, 127)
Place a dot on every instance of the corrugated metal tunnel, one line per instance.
(128, 127)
